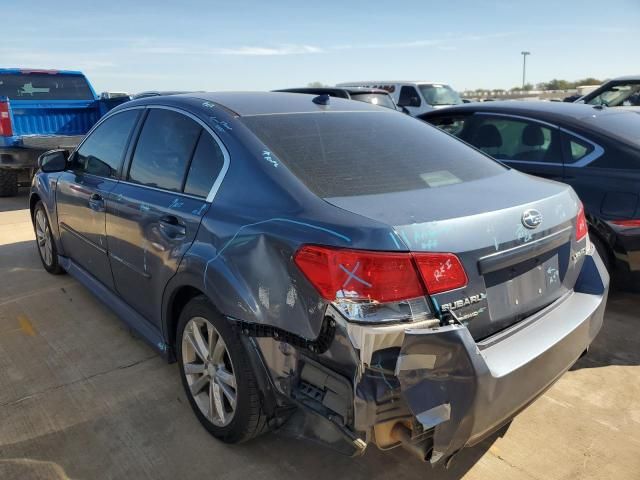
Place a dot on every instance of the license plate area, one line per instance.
(519, 290)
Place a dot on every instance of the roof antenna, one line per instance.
(322, 99)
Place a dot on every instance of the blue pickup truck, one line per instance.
(41, 110)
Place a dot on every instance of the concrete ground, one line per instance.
(81, 398)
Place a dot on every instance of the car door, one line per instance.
(154, 213)
(522, 143)
(83, 188)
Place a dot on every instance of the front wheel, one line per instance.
(44, 240)
(216, 374)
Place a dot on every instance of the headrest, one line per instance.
(532, 136)
(487, 136)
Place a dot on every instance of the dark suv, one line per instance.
(338, 267)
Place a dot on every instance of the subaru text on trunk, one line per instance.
(347, 270)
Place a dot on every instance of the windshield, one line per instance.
(380, 99)
(44, 86)
(338, 154)
(621, 95)
(436, 94)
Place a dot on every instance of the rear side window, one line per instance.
(510, 139)
(205, 166)
(102, 152)
(578, 150)
(360, 153)
(163, 151)
(44, 86)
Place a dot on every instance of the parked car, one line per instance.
(375, 96)
(619, 92)
(416, 97)
(41, 110)
(343, 270)
(594, 149)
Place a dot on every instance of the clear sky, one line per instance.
(256, 45)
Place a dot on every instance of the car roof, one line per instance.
(4, 71)
(329, 90)
(541, 110)
(407, 82)
(263, 103)
(625, 78)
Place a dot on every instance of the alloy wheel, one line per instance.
(209, 371)
(43, 237)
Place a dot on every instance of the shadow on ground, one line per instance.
(20, 202)
(617, 343)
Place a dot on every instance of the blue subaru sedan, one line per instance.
(340, 267)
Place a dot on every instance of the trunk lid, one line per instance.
(513, 269)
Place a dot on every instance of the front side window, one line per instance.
(163, 151)
(409, 97)
(514, 139)
(103, 151)
(620, 95)
(440, 95)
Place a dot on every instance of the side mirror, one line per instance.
(53, 161)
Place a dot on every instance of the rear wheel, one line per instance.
(8, 183)
(602, 251)
(44, 240)
(216, 374)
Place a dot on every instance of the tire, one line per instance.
(44, 240)
(602, 251)
(247, 419)
(8, 183)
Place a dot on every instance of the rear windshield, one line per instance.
(380, 99)
(340, 154)
(44, 86)
(625, 125)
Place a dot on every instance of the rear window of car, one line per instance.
(625, 124)
(44, 86)
(340, 154)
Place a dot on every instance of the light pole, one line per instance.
(524, 67)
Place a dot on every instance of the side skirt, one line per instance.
(127, 314)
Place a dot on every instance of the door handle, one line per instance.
(172, 228)
(96, 203)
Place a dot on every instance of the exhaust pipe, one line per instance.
(421, 448)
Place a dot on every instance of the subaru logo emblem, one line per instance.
(531, 218)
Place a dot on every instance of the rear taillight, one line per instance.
(441, 271)
(6, 129)
(581, 224)
(359, 275)
(379, 286)
(627, 223)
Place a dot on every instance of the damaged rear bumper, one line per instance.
(465, 390)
